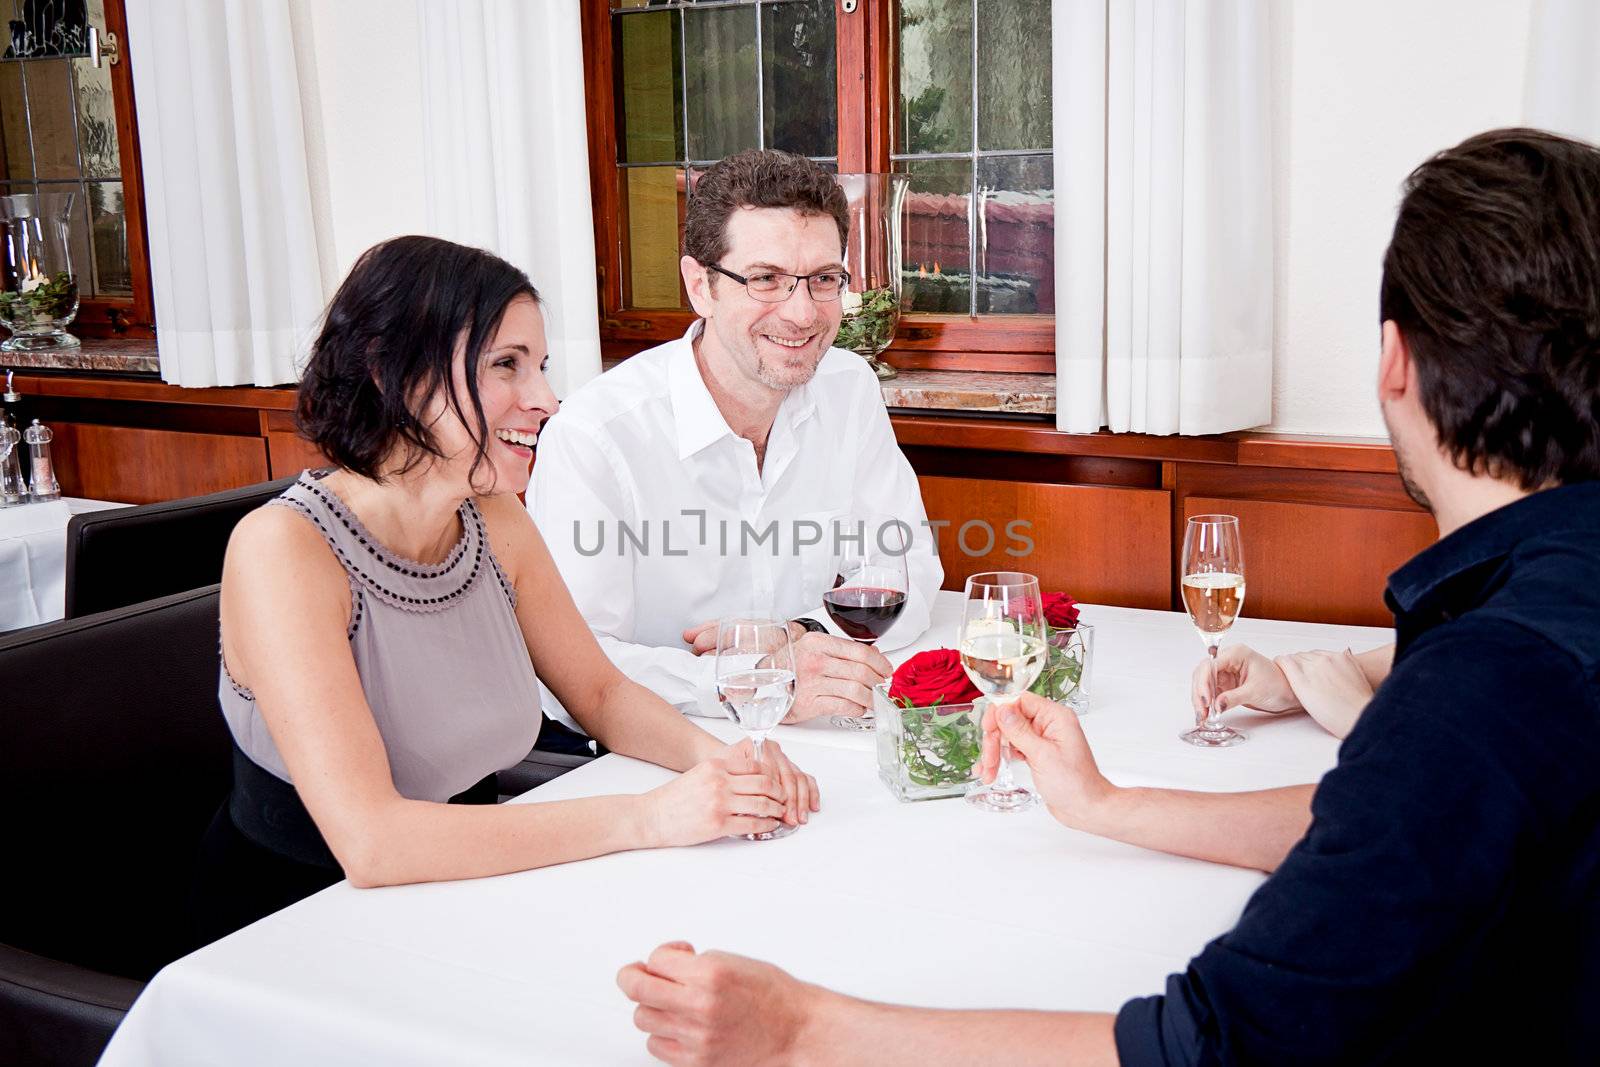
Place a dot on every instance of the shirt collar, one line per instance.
(1453, 568)
(699, 422)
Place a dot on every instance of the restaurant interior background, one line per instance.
(1358, 94)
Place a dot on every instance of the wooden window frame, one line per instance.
(132, 316)
(865, 43)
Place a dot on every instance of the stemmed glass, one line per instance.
(755, 683)
(871, 586)
(1003, 650)
(1213, 593)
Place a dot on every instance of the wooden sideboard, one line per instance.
(1325, 520)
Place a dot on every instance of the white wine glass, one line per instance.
(1213, 593)
(755, 684)
(870, 587)
(1003, 649)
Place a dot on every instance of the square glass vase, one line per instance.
(926, 753)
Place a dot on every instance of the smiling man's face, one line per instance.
(778, 345)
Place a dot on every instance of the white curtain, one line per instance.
(235, 254)
(1164, 269)
(506, 155)
(1563, 80)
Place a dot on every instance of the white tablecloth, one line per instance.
(33, 559)
(933, 903)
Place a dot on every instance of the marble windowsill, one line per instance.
(953, 390)
(121, 356)
(925, 390)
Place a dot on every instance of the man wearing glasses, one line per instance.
(711, 476)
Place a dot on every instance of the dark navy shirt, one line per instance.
(1444, 905)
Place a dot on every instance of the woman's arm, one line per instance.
(285, 607)
(612, 708)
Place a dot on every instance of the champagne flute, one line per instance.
(1003, 650)
(871, 586)
(1213, 593)
(755, 684)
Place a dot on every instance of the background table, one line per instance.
(934, 903)
(33, 559)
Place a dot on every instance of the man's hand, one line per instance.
(1246, 678)
(1047, 737)
(712, 1007)
(834, 676)
(1330, 685)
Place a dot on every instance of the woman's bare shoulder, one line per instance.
(277, 543)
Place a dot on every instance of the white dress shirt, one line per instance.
(659, 520)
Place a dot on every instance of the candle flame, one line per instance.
(936, 270)
(922, 270)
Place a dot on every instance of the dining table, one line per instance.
(934, 903)
(33, 558)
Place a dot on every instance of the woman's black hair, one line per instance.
(388, 341)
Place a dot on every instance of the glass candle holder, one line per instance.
(871, 305)
(38, 289)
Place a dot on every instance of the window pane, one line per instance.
(13, 124)
(108, 232)
(649, 66)
(800, 90)
(937, 235)
(1014, 75)
(935, 76)
(1016, 236)
(53, 117)
(720, 44)
(97, 120)
(652, 203)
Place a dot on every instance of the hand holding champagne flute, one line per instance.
(1003, 650)
(1213, 594)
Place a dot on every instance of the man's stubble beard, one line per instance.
(1403, 466)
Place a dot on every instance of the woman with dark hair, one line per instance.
(382, 626)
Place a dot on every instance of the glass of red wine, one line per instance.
(870, 590)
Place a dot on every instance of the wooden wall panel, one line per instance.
(1315, 562)
(1100, 544)
(140, 466)
(287, 452)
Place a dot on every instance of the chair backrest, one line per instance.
(130, 555)
(113, 759)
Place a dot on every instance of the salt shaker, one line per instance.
(42, 469)
(13, 486)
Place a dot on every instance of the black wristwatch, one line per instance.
(810, 625)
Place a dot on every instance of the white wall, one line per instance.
(1366, 90)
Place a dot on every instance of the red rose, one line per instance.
(1060, 611)
(934, 677)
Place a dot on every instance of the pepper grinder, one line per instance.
(13, 486)
(44, 484)
(9, 399)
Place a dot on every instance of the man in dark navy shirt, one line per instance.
(1436, 898)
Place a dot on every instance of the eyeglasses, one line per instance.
(776, 288)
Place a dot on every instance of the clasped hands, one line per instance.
(833, 675)
(1331, 687)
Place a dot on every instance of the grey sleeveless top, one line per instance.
(442, 660)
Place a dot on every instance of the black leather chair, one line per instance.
(130, 555)
(113, 759)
